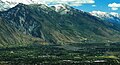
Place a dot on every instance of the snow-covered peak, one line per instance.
(21, 1)
(59, 7)
(104, 14)
(115, 14)
(6, 4)
(111, 17)
(100, 14)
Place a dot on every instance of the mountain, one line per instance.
(9, 36)
(7, 4)
(115, 14)
(38, 23)
(61, 8)
(111, 17)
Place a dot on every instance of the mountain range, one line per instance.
(7, 4)
(110, 17)
(60, 24)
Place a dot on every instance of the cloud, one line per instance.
(114, 6)
(52, 2)
(68, 2)
(93, 5)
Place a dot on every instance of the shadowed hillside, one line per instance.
(67, 25)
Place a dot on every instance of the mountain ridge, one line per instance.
(7, 4)
(111, 17)
(55, 28)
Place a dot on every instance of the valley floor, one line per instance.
(75, 54)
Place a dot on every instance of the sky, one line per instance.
(101, 5)
(85, 5)
(91, 5)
